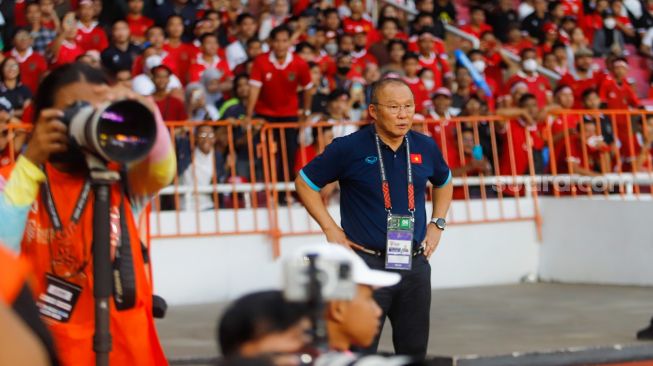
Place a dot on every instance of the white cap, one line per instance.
(152, 62)
(361, 273)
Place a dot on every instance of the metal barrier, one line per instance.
(501, 168)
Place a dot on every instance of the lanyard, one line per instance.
(385, 185)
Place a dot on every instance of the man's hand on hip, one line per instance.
(337, 236)
(431, 240)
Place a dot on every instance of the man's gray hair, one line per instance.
(377, 86)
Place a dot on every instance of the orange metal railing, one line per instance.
(570, 154)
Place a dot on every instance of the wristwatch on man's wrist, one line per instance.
(439, 222)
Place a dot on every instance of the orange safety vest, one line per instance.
(134, 337)
(13, 275)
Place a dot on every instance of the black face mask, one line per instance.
(343, 70)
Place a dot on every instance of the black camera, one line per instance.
(121, 132)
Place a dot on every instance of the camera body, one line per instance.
(122, 131)
(335, 279)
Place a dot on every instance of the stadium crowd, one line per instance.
(242, 61)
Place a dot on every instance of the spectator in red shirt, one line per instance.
(208, 59)
(357, 19)
(469, 164)
(443, 131)
(64, 49)
(582, 77)
(180, 53)
(138, 23)
(307, 153)
(360, 57)
(32, 65)
(615, 90)
(331, 22)
(550, 38)
(90, 35)
(585, 152)
(477, 25)
(623, 21)
(171, 108)
(428, 58)
(516, 41)
(50, 19)
(514, 158)
(411, 69)
(538, 85)
(276, 76)
(156, 38)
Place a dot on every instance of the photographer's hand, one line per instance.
(49, 136)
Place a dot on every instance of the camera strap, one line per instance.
(124, 278)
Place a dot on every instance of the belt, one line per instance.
(378, 253)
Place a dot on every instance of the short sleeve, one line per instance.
(305, 76)
(256, 78)
(441, 173)
(325, 168)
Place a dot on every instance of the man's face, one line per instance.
(396, 53)
(22, 41)
(541, 5)
(161, 78)
(346, 44)
(332, 21)
(210, 46)
(214, 21)
(205, 139)
(248, 28)
(478, 17)
(590, 129)
(360, 40)
(33, 14)
(361, 318)
(254, 49)
(441, 103)
(281, 43)
(426, 6)
(395, 109)
(389, 30)
(307, 54)
(289, 341)
(583, 63)
(124, 78)
(135, 6)
(120, 32)
(592, 101)
(242, 88)
(280, 7)
(86, 12)
(175, 27)
(565, 98)
(425, 44)
(411, 66)
(156, 37)
(620, 71)
(356, 6)
(468, 142)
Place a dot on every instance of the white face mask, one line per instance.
(479, 65)
(530, 65)
(428, 83)
(331, 48)
(610, 23)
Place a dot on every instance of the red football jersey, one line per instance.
(68, 52)
(138, 25)
(199, 65)
(422, 100)
(356, 26)
(579, 85)
(32, 67)
(279, 84)
(538, 85)
(91, 38)
(182, 57)
(515, 144)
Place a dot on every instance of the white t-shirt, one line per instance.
(202, 174)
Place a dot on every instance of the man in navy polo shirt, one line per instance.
(383, 170)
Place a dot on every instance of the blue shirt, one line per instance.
(353, 161)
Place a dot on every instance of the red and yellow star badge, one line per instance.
(416, 158)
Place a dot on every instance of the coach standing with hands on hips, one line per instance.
(383, 170)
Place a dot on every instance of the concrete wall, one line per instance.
(202, 269)
(597, 241)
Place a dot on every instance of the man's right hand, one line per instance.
(49, 136)
(337, 236)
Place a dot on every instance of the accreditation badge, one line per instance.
(59, 300)
(399, 243)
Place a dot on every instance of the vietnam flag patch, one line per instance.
(416, 158)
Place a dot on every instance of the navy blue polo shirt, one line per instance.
(353, 162)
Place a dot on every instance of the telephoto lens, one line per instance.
(121, 132)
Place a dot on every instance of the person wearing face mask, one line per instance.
(609, 39)
(538, 85)
(479, 63)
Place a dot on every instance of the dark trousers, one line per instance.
(407, 305)
(290, 137)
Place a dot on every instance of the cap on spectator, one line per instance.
(361, 273)
(152, 61)
(563, 89)
(337, 94)
(85, 2)
(442, 91)
(584, 52)
(620, 61)
(5, 105)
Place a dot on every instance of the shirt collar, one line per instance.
(85, 29)
(213, 64)
(286, 62)
(19, 58)
(428, 60)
